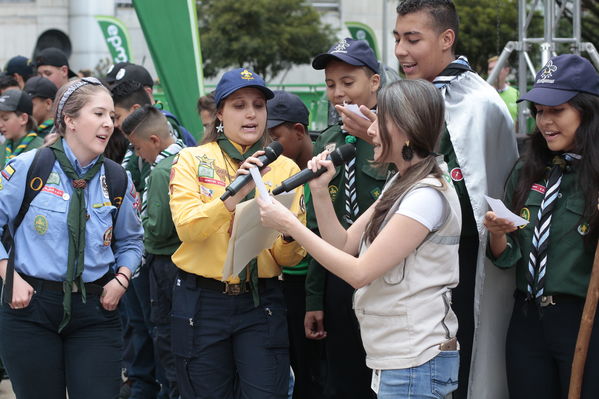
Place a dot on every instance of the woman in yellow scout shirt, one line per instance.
(229, 337)
(555, 186)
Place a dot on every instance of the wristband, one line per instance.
(119, 281)
(124, 275)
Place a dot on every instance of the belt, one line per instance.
(223, 286)
(38, 284)
(554, 299)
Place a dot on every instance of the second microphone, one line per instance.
(338, 156)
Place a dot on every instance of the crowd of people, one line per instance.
(389, 278)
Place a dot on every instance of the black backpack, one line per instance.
(40, 168)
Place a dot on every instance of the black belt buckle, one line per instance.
(232, 289)
(546, 300)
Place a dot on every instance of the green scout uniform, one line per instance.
(370, 181)
(139, 170)
(45, 128)
(160, 236)
(569, 261)
(36, 142)
(469, 230)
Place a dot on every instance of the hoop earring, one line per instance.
(220, 128)
(406, 152)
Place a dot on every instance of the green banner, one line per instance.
(117, 38)
(361, 31)
(171, 32)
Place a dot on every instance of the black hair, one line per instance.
(117, 146)
(8, 81)
(538, 157)
(442, 12)
(144, 117)
(128, 93)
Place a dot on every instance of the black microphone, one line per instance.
(338, 156)
(271, 152)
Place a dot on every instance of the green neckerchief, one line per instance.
(76, 219)
(228, 148)
(13, 150)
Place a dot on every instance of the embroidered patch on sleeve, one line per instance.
(7, 172)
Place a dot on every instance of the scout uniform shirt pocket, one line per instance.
(45, 224)
(99, 225)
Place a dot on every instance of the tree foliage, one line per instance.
(267, 36)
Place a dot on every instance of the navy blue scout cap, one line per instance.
(39, 86)
(20, 65)
(351, 51)
(237, 79)
(561, 79)
(16, 101)
(286, 107)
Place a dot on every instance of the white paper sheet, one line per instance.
(355, 109)
(502, 212)
(248, 236)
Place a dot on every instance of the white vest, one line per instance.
(405, 314)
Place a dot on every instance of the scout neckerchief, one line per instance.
(172, 149)
(537, 264)
(76, 219)
(351, 198)
(452, 71)
(45, 127)
(228, 148)
(12, 150)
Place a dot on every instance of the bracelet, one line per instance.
(124, 275)
(119, 281)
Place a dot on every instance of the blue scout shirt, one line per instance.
(41, 241)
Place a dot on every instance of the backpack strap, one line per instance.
(37, 175)
(116, 179)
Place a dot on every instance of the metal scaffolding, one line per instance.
(553, 11)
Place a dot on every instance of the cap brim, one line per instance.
(72, 74)
(547, 96)
(273, 123)
(267, 92)
(321, 60)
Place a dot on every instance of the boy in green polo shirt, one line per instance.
(352, 77)
(17, 125)
(147, 130)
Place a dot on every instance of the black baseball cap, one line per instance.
(55, 57)
(132, 72)
(20, 65)
(39, 86)
(562, 78)
(237, 79)
(16, 101)
(351, 51)
(112, 71)
(286, 107)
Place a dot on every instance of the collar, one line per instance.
(80, 170)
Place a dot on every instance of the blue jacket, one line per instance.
(41, 241)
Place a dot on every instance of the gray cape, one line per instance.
(482, 134)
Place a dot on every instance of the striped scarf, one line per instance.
(452, 71)
(12, 152)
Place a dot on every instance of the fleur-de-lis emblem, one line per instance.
(341, 46)
(548, 70)
(247, 75)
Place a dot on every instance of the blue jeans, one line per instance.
(435, 379)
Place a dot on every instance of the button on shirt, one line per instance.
(41, 241)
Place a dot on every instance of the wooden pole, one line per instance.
(584, 334)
